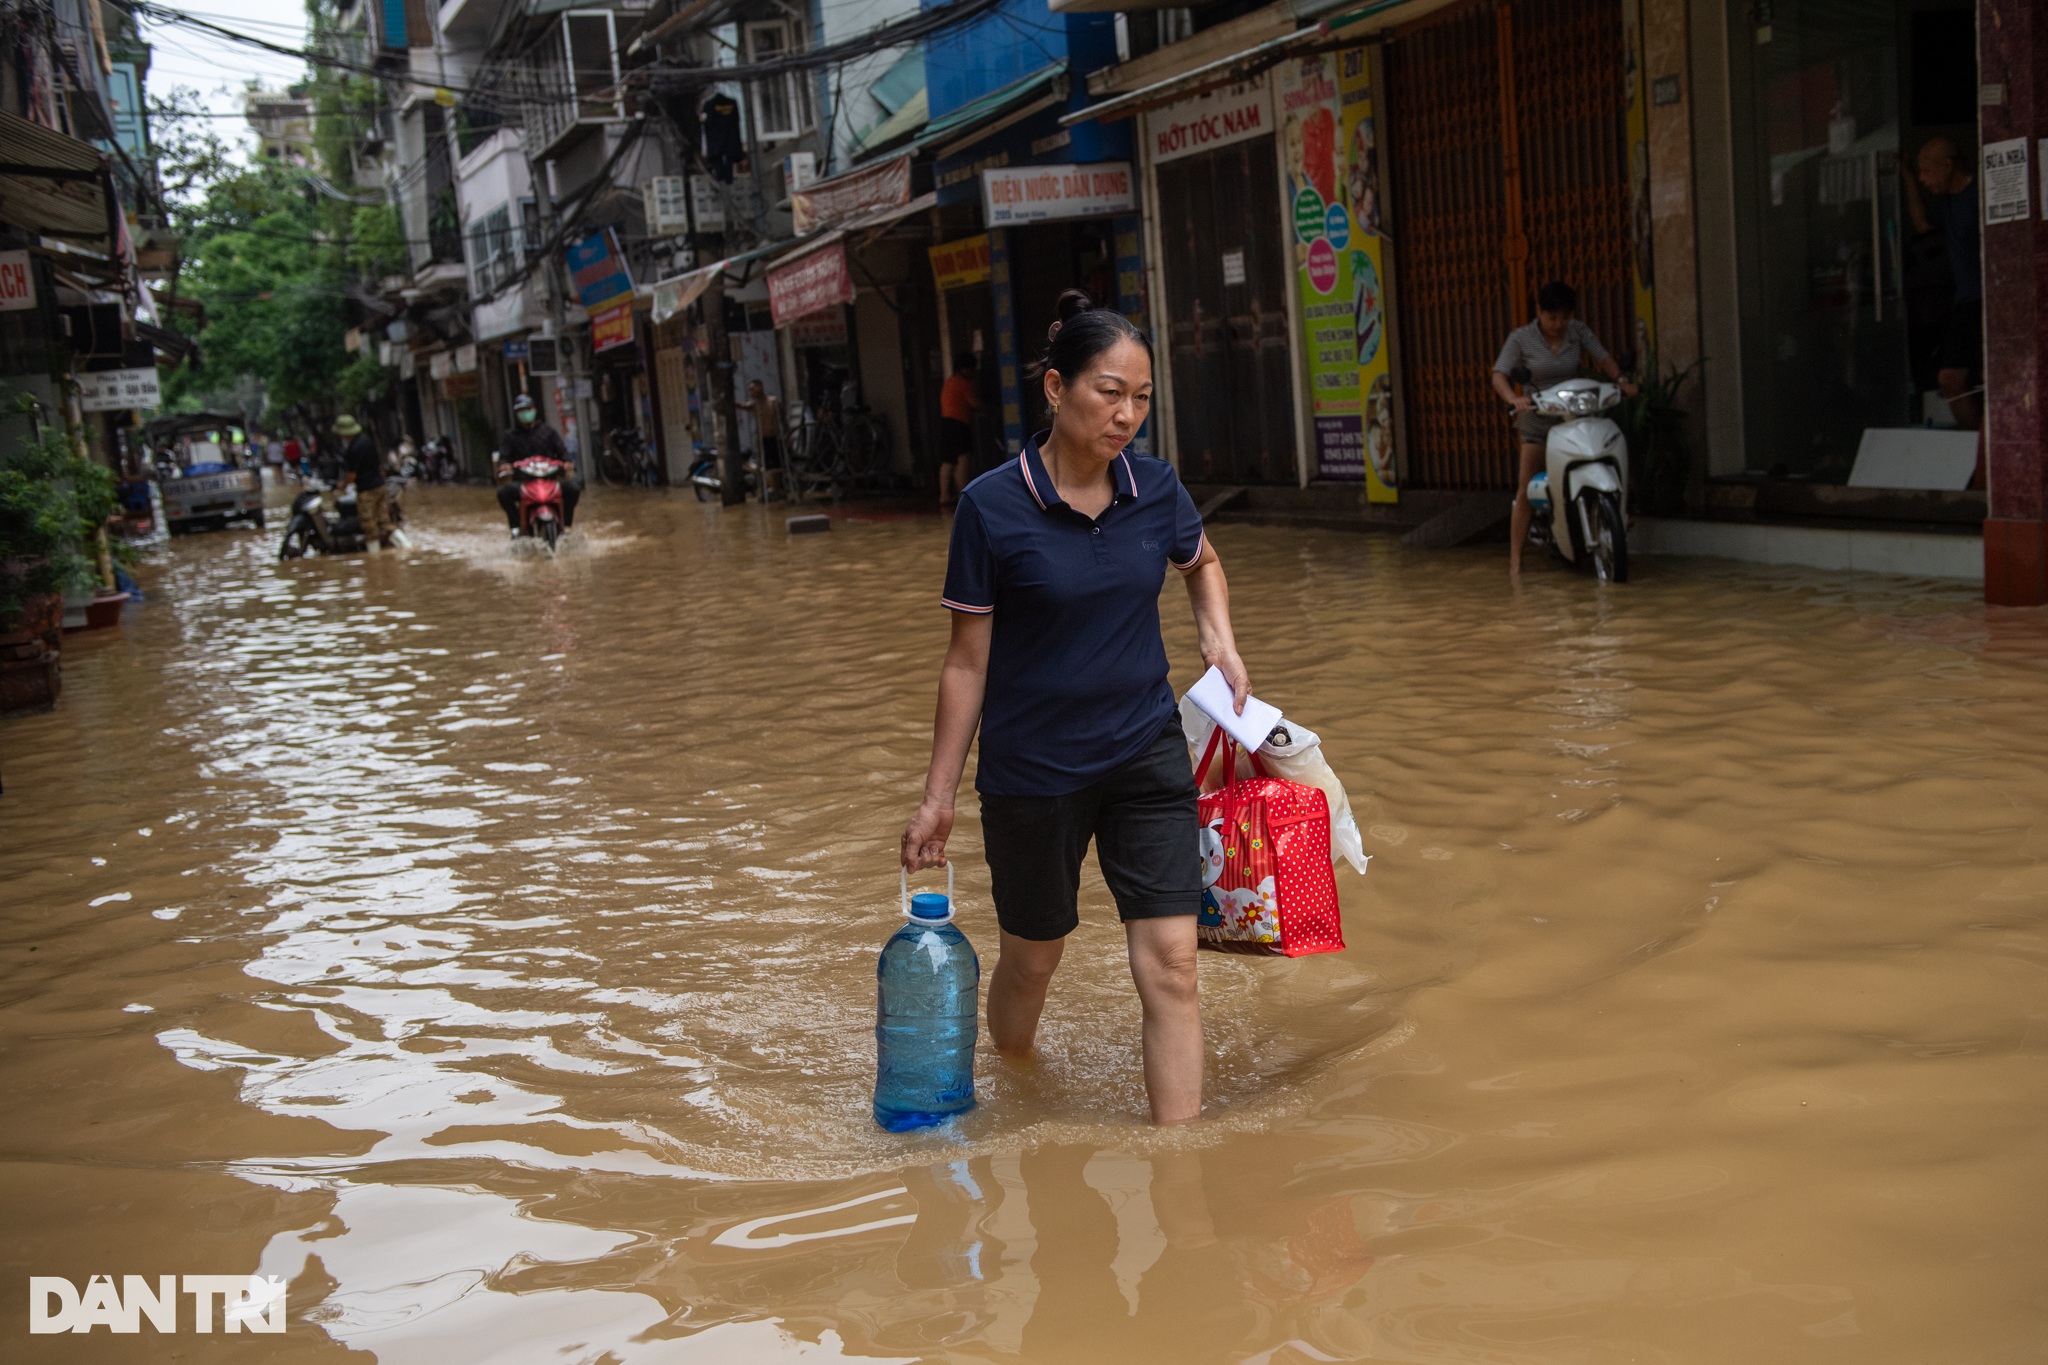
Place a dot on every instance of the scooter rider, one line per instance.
(530, 436)
(1552, 348)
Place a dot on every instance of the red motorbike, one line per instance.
(540, 497)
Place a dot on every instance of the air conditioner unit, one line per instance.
(799, 169)
(667, 200)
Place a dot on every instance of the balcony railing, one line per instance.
(573, 82)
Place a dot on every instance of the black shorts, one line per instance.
(1962, 343)
(956, 440)
(1142, 819)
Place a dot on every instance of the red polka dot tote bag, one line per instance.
(1268, 887)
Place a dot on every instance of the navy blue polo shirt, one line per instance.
(1076, 666)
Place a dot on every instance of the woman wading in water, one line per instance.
(1053, 581)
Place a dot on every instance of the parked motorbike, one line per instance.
(1580, 498)
(540, 497)
(441, 466)
(311, 530)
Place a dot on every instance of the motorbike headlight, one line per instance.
(1583, 403)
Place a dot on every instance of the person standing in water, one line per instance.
(767, 411)
(959, 400)
(1553, 348)
(1056, 655)
(363, 467)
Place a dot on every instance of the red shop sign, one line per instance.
(814, 280)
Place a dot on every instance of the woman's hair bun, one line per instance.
(1081, 332)
(1072, 302)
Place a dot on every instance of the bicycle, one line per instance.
(833, 454)
(627, 459)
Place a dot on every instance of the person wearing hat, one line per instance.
(363, 467)
(528, 436)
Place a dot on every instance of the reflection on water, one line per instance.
(485, 942)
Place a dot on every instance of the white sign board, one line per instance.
(17, 282)
(2005, 181)
(1235, 113)
(113, 390)
(1914, 457)
(1037, 194)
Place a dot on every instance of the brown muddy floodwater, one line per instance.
(486, 945)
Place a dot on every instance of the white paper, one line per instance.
(2005, 181)
(1214, 696)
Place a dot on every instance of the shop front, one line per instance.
(1215, 165)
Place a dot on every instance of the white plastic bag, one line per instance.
(1294, 753)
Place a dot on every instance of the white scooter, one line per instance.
(1580, 499)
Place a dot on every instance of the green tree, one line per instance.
(275, 265)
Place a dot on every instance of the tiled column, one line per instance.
(1006, 337)
(2012, 57)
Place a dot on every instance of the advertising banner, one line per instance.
(114, 390)
(1233, 114)
(828, 201)
(673, 295)
(964, 262)
(17, 282)
(1038, 194)
(1330, 160)
(1366, 260)
(599, 270)
(814, 280)
(826, 327)
(1320, 224)
(612, 326)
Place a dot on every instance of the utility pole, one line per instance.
(732, 486)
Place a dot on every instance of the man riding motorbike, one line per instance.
(530, 436)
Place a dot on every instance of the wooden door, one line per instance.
(1478, 232)
(1225, 322)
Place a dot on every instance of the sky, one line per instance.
(219, 68)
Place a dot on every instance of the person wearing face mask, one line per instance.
(1057, 658)
(528, 435)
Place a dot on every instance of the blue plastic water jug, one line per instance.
(927, 984)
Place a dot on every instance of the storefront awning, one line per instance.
(993, 112)
(671, 296)
(56, 186)
(1353, 25)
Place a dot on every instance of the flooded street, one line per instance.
(486, 945)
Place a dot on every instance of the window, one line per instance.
(493, 251)
(529, 226)
(593, 65)
(782, 103)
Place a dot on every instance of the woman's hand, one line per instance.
(924, 838)
(1629, 388)
(1232, 667)
(1521, 404)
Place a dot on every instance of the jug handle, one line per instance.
(949, 888)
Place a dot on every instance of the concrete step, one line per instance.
(1471, 516)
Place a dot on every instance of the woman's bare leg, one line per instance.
(1016, 990)
(1162, 955)
(1518, 523)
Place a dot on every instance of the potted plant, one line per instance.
(1655, 427)
(53, 504)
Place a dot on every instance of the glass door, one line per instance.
(1815, 100)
